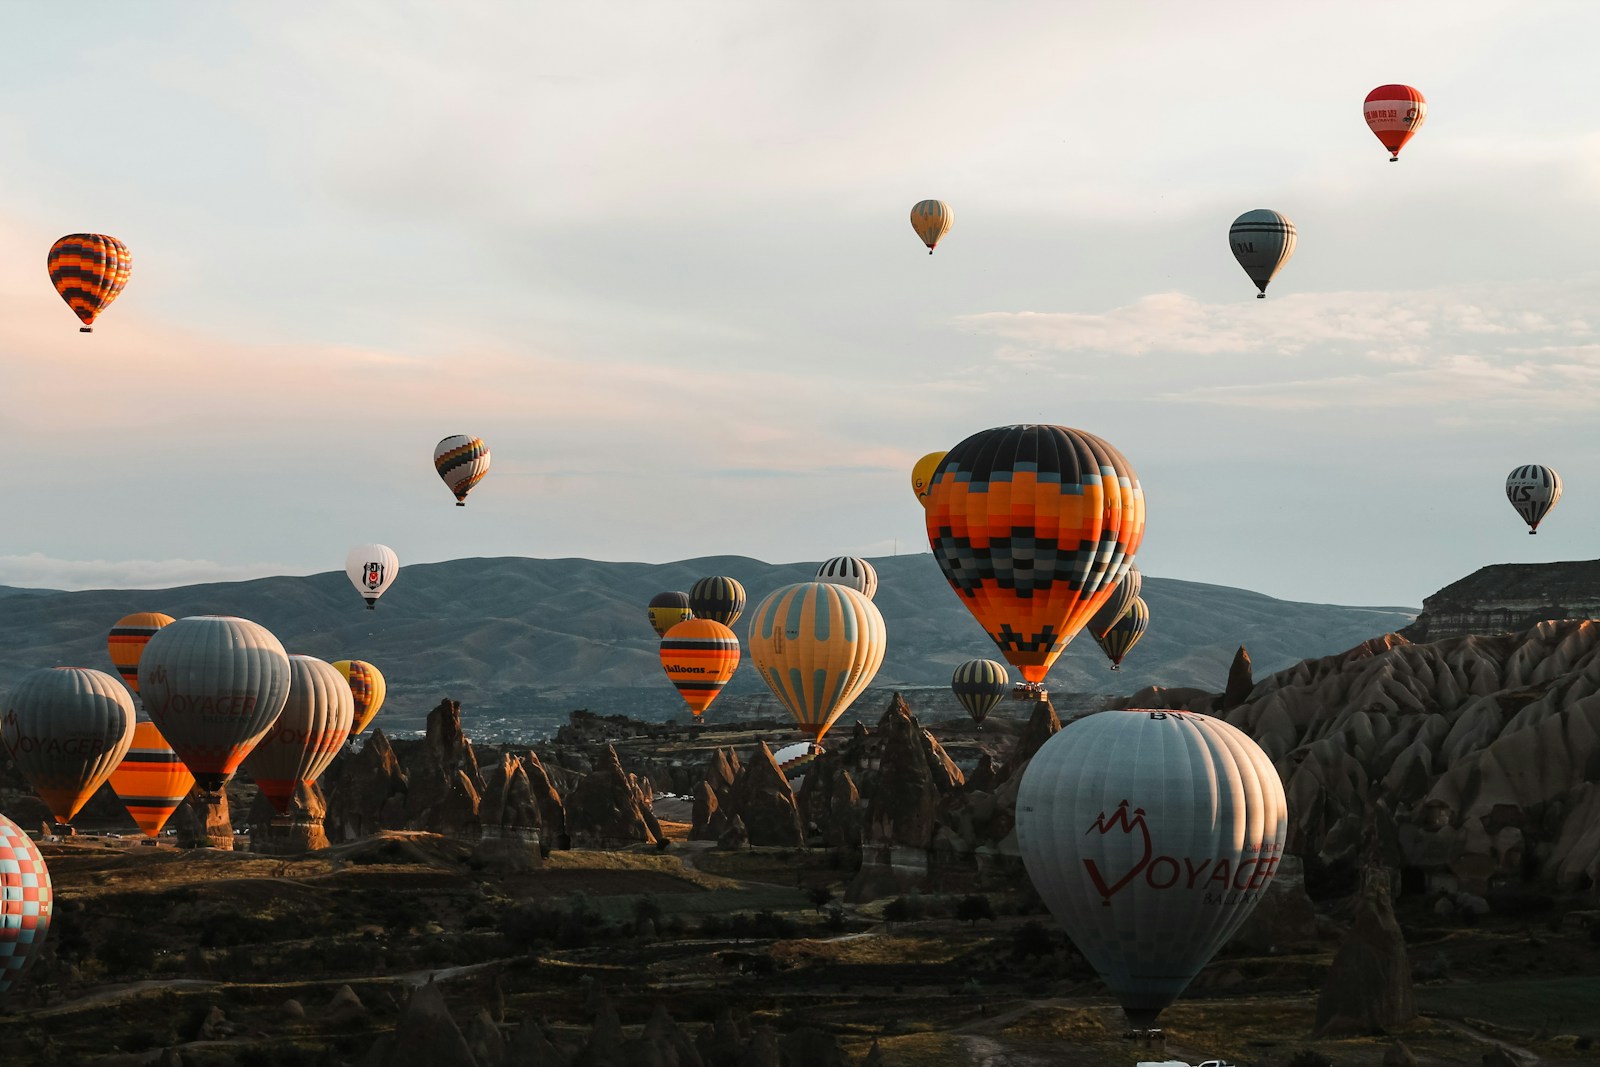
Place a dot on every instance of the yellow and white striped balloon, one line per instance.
(818, 646)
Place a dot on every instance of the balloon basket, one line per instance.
(1034, 691)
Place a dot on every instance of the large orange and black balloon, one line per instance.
(89, 270)
(1034, 526)
(699, 656)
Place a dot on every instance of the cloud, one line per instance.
(38, 571)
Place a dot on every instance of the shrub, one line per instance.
(973, 907)
(1309, 1057)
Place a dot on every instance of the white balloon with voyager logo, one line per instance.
(1151, 835)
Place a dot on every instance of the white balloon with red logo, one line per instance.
(1151, 836)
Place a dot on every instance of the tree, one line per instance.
(974, 906)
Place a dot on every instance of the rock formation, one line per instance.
(369, 792)
(426, 1036)
(510, 818)
(444, 786)
(761, 798)
(1368, 988)
(294, 834)
(610, 807)
(202, 821)
(1508, 598)
(1240, 681)
(902, 808)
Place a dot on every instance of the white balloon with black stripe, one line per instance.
(852, 572)
(1533, 490)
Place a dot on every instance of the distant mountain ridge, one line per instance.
(514, 637)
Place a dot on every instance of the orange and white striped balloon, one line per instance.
(699, 656)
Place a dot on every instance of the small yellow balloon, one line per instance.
(922, 475)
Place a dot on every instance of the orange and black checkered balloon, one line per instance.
(89, 270)
(1034, 526)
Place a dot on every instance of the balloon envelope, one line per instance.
(26, 901)
(1394, 114)
(667, 610)
(931, 219)
(1262, 241)
(850, 571)
(1034, 526)
(796, 759)
(1151, 835)
(151, 781)
(699, 656)
(462, 462)
(127, 640)
(213, 684)
(1118, 641)
(818, 646)
(719, 598)
(367, 689)
(1533, 490)
(303, 740)
(89, 270)
(979, 684)
(372, 570)
(922, 474)
(1116, 607)
(67, 728)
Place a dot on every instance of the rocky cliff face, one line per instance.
(1508, 598)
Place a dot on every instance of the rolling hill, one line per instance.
(521, 642)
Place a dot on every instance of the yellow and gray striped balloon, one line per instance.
(818, 646)
(1118, 641)
(979, 684)
(931, 219)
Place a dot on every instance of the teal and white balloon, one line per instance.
(1262, 241)
(1151, 836)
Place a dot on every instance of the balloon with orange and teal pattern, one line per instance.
(1034, 526)
(818, 646)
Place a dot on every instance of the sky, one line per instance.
(659, 257)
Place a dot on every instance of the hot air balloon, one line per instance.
(151, 781)
(1262, 241)
(127, 640)
(668, 610)
(315, 723)
(1533, 490)
(818, 646)
(89, 270)
(372, 570)
(1118, 641)
(25, 902)
(1150, 835)
(213, 684)
(1034, 526)
(979, 684)
(699, 656)
(367, 689)
(1131, 585)
(794, 760)
(1394, 113)
(67, 728)
(720, 599)
(931, 219)
(850, 571)
(922, 474)
(462, 462)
